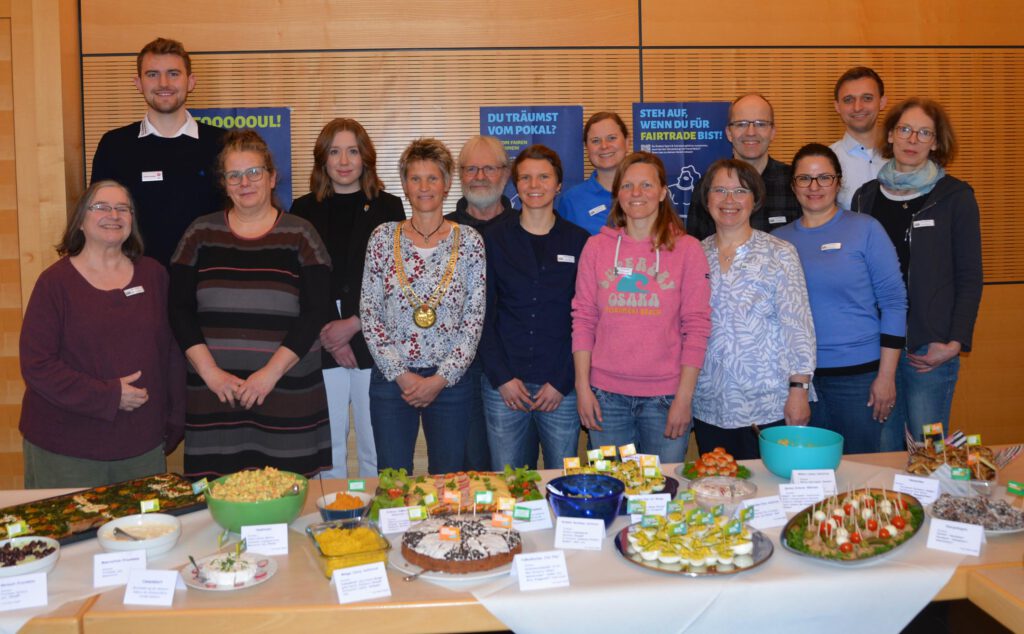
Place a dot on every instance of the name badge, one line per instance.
(571, 259)
(924, 223)
(597, 210)
(832, 246)
(624, 270)
(135, 290)
(776, 220)
(149, 177)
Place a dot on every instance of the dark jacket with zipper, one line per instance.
(347, 277)
(944, 279)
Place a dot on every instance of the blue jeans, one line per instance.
(396, 423)
(513, 433)
(922, 398)
(842, 407)
(639, 420)
(478, 455)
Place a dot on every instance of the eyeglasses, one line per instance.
(924, 135)
(106, 208)
(254, 174)
(739, 192)
(805, 180)
(759, 124)
(488, 170)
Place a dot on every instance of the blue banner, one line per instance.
(273, 124)
(558, 127)
(687, 137)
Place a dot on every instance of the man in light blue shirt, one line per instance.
(860, 96)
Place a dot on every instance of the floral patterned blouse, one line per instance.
(762, 333)
(394, 339)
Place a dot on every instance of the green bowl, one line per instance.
(234, 515)
(807, 448)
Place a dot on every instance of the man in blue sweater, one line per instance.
(167, 160)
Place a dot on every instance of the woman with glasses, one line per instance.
(932, 218)
(857, 299)
(346, 203)
(607, 141)
(761, 353)
(640, 318)
(422, 309)
(104, 380)
(250, 292)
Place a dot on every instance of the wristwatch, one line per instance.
(800, 384)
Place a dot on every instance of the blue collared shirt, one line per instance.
(587, 205)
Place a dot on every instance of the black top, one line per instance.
(895, 216)
(173, 180)
(345, 222)
(780, 206)
(463, 217)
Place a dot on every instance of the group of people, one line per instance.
(260, 336)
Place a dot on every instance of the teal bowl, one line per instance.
(234, 515)
(787, 447)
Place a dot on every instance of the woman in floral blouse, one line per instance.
(422, 310)
(761, 352)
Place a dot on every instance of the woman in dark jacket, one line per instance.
(346, 203)
(933, 220)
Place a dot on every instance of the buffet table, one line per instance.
(606, 590)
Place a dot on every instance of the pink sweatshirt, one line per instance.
(647, 319)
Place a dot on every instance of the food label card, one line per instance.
(24, 591)
(112, 569)
(266, 539)
(797, 497)
(360, 583)
(825, 477)
(578, 533)
(768, 512)
(924, 489)
(395, 520)
(955, 537)
(150, 587)
(654, 504)
(540, 571)
(540, 516)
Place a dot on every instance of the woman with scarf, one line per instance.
(932, 218)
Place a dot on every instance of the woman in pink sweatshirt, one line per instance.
(641, 318)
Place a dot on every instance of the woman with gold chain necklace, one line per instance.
(422, 310)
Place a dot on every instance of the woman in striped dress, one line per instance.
(249, 295)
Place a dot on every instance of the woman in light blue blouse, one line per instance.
(858, 301)
(761, 353)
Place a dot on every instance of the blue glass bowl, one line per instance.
(786, 448)
(586, 495)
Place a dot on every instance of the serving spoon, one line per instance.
(123, 533)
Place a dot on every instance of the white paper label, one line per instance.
(150, 587)
(540, 517)
(539, 571)
(657, 504)
(360, 583)
(825, 477)
(135, 290)
(776, 220)
(832, 246)
(571, 259)
(768, 512)
(394, 520)
(266, 539)
(111, 569)
(924, 223)
(596, 210)
(149, 177)
(24, 591)
(797, 497)
(926, 490)
(955, 537)
(579, 533)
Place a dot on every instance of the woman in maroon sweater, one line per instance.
(104, 380)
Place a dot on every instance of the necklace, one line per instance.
(424, 312)
(426, 236)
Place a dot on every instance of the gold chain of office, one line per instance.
(425, 311)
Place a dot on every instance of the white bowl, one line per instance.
(46, 564)
(136, 524)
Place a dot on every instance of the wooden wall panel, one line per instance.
(979, 87)
(116, 26)
(833, 23)
(397, 96)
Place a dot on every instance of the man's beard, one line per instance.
(483, 198)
